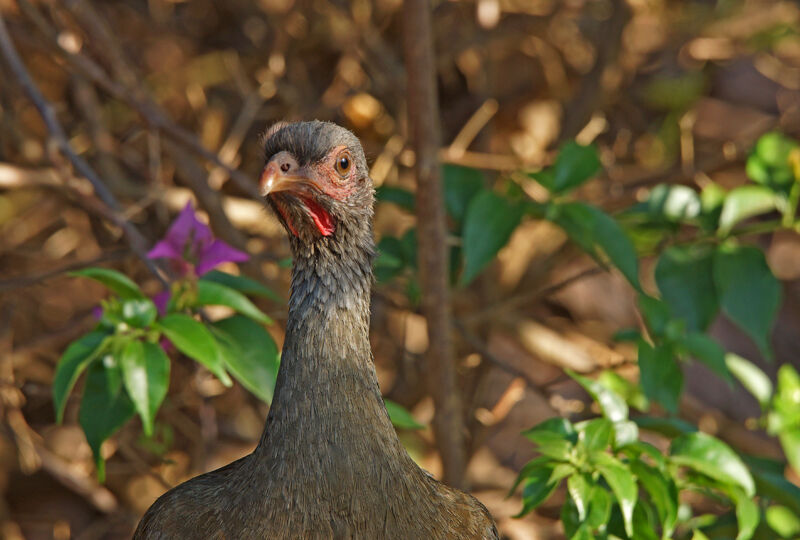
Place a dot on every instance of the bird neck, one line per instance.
(327, 398)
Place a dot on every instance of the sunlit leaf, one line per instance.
(214, 294)
(711, 457)
(250, 354)
(744, 202)
(630, 392)
(674, 202)
(785, 522)
(613, 406)
(195, 341)
(623, 485)
(138, 312)
(145, 372)
(580, 489)
(117, 282)
(596, 434)
(751, 377)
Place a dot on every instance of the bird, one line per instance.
(329, 463)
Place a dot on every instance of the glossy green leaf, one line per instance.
(250, 354)
(713, 458)
(745, 202)
(674, 202)
(461, 184)
(596, 434)
(747, 514)
(138, 312)
(660, 376)
(599, 508)
(612, 404)
(557, 425)
(591, 228)
(768, 164)
(488, 224)
(529, 468)
(397, 195)
(400, 416)
(749, 293)
(243, 284)
(623, 485)
(145, 372)
(684, 278)
(214, 294)
(116, 281)
(751, 377)
(625, 432)
(580, 487)
(630, 392)
(73, 362)
(105, 407)
(195, 341)
(704, 349)
(574, 165)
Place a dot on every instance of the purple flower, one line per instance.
(189, 242)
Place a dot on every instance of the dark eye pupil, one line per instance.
(344, 163)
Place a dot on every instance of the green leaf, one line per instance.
(488, 224)
(747, 514)
(744, 202)
(630, 392)
(625, 433)
(139, 312)
(656, 314)
(397, 195)
(685, 280)
(536, 488)
(674, 202)
(105, 407)
(768, 164)
(557, 425)
(195, 341)
(461, 184)
(599, 508)
(749, 294)
(751, 377)
(663, 493)
(596, 434)
(613, 406)
(117, 282)
(243, 284)
(400, 416)
(580, 489)
(660, 376)
(790, 441)
(771, 482)
(623, 485)
(250, 354)
(713, 458)
(706, 350)
(145, 372)
(214, 294)
(74, 361)
(783, 521)
(574, 165)
(591, 228)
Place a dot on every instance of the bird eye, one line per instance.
(343, 163)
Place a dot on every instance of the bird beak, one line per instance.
(273, 180)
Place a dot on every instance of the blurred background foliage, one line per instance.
(676, 124)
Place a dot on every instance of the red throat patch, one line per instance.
(322, 219)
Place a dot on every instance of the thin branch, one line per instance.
(28, 280)
(423, 120)
(135, 239)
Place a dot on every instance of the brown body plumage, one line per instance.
(329, 464)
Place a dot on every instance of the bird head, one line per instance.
(316, 179)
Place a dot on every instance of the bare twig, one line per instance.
(27, 280)
(423, 119)
(135, 240)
